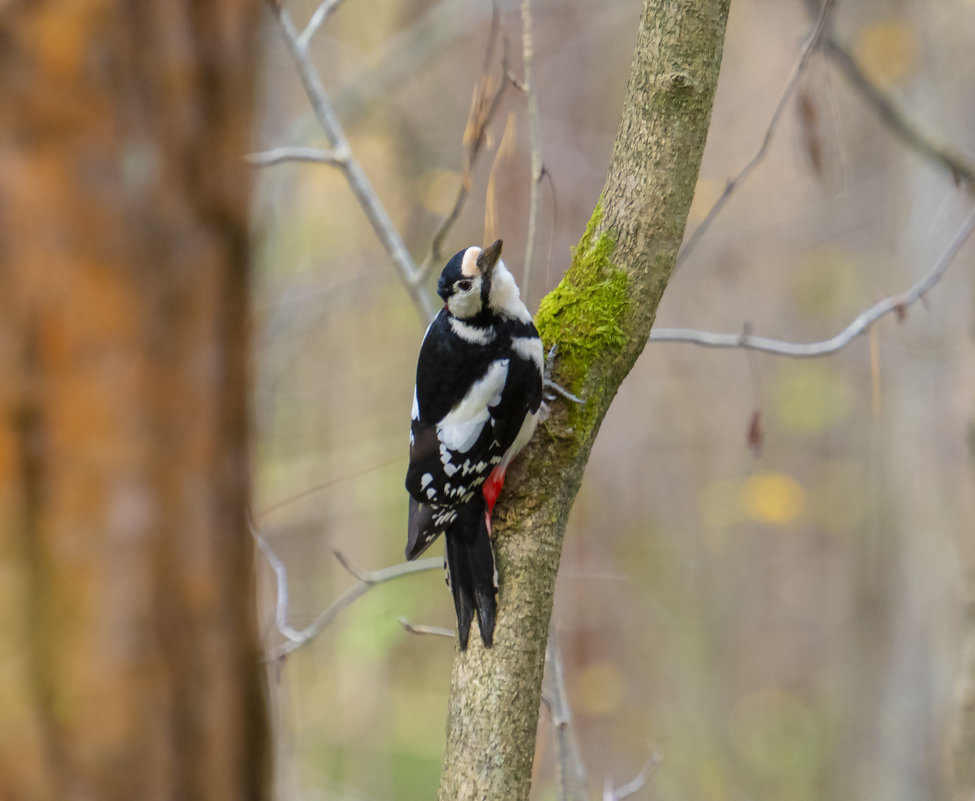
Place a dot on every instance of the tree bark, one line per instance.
(600, 317)
(131, 666)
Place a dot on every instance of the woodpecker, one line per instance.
(478, 391)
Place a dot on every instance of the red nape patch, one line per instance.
(492, 488)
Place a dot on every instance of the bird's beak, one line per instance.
(489, 257)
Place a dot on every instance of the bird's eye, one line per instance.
(464, 286)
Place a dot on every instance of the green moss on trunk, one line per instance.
(583, 315)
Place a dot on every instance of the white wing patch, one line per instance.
(530, 349)
(462, 425)
(415, 414)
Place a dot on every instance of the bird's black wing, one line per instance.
(453, 445)
(522, 396)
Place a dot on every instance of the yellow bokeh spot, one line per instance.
(887, 52)
(600, 688)
(775, 498)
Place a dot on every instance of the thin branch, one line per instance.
(528, 51)
(805, 54)
(281, 576)
(484, 105)
(346, 476)
(416, 628)
(322, 13)
(962, 170)
(358, 182)
(571, 770)
(281, 155)
(896, 304)
(634, 786)
(366, 580)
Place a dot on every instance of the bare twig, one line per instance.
(484, 105)
(416, 628)
(280, 155)
(346, 476)
(366, 580)
(358, 182)
(895, 304)
(805, 54)
(635, 785)
(571, 770)
(528, 50)
(962, 170)
(281, 577)
(322, 13)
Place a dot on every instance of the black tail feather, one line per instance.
(470, 567)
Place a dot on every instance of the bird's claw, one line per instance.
(550, 388)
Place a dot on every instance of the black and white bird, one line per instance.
(478, 392)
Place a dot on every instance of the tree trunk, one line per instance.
(600, 317)
(131, 666)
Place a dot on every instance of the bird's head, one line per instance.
(476, 280)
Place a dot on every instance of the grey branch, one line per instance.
(281, 155)
(355, 176)
(281, 578)
(366, 580)
(417, 628)
(634, 786)
(894, 304)
(322, 13)
(805, 54)
(896, 121)
(571, 770)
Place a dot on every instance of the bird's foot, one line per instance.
(549, 387)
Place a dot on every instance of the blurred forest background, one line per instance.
(764, 574)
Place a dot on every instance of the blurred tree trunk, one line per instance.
(131, 667)
(600, 317)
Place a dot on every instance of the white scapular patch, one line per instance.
(530, 349)
(462, 425)
(474, 334)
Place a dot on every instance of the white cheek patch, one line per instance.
(466, 304)
(468, 263)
